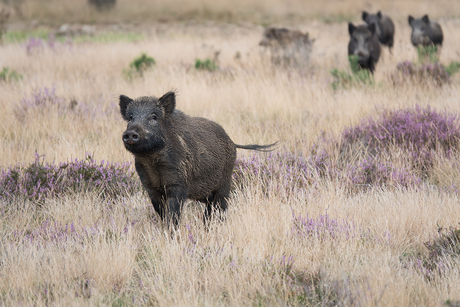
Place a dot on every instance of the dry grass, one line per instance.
(119, 254)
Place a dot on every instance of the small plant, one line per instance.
(428, 54)
(8, 76)
(142, 63)
(358, 76)
(139, 66)
(453, 68)
(208, 64)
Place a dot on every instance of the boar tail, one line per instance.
(264, 148)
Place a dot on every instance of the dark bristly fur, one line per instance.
(425, 31)
(179, 157)
(384, 27)
(365, 44)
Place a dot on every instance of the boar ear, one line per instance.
(168, 102)
(425, 19)
(379, 14)
(371, 28)
(124, 102)
(351, 28)
(365, 14)
(411, 19)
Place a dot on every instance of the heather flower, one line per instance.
(372, 172)
(435, 262)
(40, 179)
(34, 45)
(432, 73)
(324, 227)
(41, 100)
(283, 170)
(396, 148)
(420, 131)
(46, 100)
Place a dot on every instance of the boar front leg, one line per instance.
(175, 198)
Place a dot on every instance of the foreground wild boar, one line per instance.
(365, 44)
(384, 27)
(178, 156)
(425, 32)
(287, 47)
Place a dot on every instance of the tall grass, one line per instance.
(292, 236)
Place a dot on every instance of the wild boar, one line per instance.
(102, 5)
(425, 32)
(288, 47)
(365, 44)
(384, 27)
(179, 157)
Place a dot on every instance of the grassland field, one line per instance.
(296, 238)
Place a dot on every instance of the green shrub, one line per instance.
(453, 68)
(208, 64)
(358, 76)
(8, 76)
(428, 54)
(139, 66)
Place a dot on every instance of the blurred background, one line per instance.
(56, 12)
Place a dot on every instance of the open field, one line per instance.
(293, 236)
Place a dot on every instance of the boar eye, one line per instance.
(130, 117)
(154, 117)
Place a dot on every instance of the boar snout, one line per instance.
(130, 137)
(363, 55)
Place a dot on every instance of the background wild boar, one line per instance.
(425, 32)
(102, 5)
(287, 47)
(384, 27)
(365, 44)
(178, 156)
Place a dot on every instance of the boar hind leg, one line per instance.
(159, 208)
